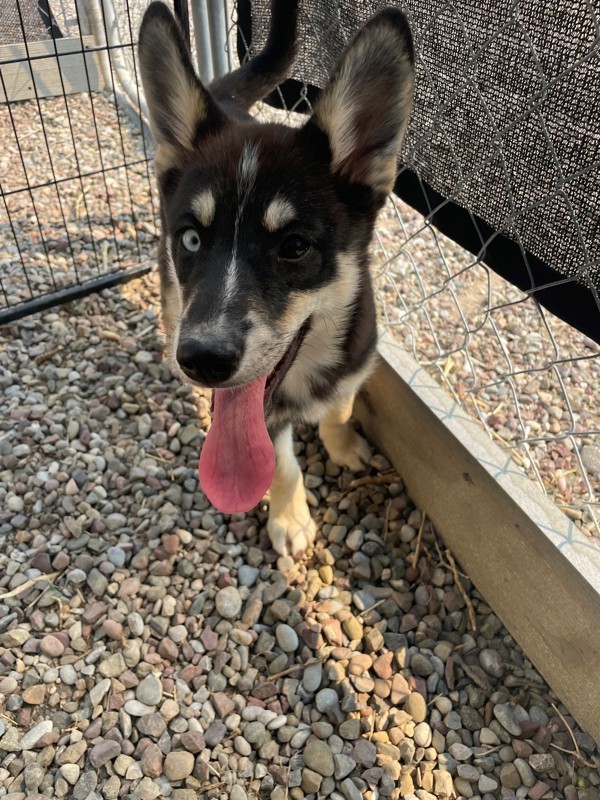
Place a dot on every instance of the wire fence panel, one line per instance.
(77, 210)
(487, 162)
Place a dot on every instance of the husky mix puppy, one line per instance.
(265, 285)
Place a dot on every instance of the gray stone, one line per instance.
(33, 775)
(421, 665)
(590, 456)
(343, 766)
(31, 737)
(68, 675)
(326, 699)
(97, 582)
(247, 575)
(149, 690)
(116, 556)
(287, 638)
(364, 752)
(112, 666)
(487, 784)
(138, 709)
(505, 715)
(311, 678)
(228, 602)
(491, 662)
(85, 785)
(350, 790)
(318, 757)
(468, 772)
(460, 751)
(215, 733)
(256, 733)
(525, 773)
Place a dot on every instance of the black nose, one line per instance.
(208, 361)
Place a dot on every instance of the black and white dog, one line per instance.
(265, 285)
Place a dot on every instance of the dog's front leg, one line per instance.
(290, 526)
(345, 446)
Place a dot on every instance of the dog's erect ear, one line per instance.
(364, 109)
(178, 103)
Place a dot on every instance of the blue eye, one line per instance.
(190, 240)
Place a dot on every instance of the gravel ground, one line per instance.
(151, 647)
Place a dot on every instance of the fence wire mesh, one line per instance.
(76, 201)
(530, 379)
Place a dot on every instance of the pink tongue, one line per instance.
(237, 462)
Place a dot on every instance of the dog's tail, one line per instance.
(260, 75)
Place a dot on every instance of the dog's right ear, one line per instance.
(181, 109)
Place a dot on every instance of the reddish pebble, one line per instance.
(171, 543)
(152, 761)
(209, 638)
(192, 741)
(51, 646)
(168, 649)
(382, 666)
(224, 580)
(61, 560)
(115, 702)
(113, 629)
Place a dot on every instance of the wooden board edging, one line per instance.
(550, 609)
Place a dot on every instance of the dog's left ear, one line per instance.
(364, 110)
(180, 107)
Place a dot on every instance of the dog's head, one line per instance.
(266, 227)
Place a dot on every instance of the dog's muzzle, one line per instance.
(208, 361)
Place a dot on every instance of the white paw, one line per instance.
(293, 531)
(348, 449)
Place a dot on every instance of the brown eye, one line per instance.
(294, 248)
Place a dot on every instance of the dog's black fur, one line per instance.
(263, 259)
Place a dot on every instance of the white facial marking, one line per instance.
(203, 206)
(247, 171)
(279, 212)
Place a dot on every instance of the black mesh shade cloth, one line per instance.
(29, 20)
(503, 150)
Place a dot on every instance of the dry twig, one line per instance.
(461, 589)
(28, 584)
(419, 539)
(295, 667)
(576, 754)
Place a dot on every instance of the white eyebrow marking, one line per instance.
(279, 212)
(203, 206)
